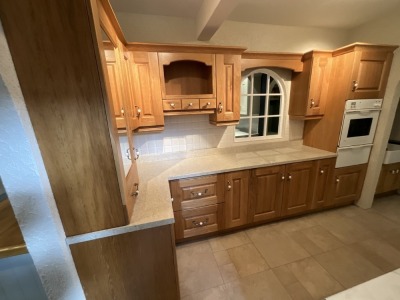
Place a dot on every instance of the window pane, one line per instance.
(246, 86)
(245, 106)
(273, 86)
(274, 105)
(260, 83)
(258, 105)
(273, 126)
(242, 129)
(257, 127)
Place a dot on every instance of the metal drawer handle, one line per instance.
(172, 105)
(355, 85)
(199, 194)
(201, 223)
(136, 193)
(220, 107)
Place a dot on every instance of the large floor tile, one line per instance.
(315, 279)
(380, 253)
(229, 241)
(263, 285)
(276, 247)
(229, 273)
(316, 239)
(216, 293)
(388, 207)
(344, 228)
(348, 267)
(197, 268)
(247, 260)
(385, 287)
(222, 257)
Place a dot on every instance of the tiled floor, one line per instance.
(310, 257)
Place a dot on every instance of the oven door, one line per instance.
(358, 127)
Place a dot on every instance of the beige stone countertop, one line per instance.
(153, 205)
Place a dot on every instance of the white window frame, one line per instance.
(282, 117)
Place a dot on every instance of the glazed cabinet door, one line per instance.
(323, 182)
(299, 187)
(228, 89)
(370, 74)
(348, 183)
(236, 198)
(115, 82)
(266, 190)
(147, 90)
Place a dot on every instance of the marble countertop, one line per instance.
(153, 205)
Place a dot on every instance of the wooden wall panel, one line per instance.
(135, 265)
(53, 51)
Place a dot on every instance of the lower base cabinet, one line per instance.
(348, 184)
(133, 265)
(389, 180)
(214, 203)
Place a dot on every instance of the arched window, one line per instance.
(261, 106)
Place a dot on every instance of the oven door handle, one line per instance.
(356, 146)
(361, 111)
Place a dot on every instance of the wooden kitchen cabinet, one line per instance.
(389, 179)
(114, 77)
(236, 198)
(228, 75)
(298, 188)
(348, 183)
(309, 88)
(187, 75)
(145, 80)
(323, 182)
(370, 72)
(266, 191)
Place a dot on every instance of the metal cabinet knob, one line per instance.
(138, 111)
(190, 104)
(229, 186)
(220, 107)
(122, 111)
(393, 172)
(337, 180)
(355, 85)
(397, 171)
(312, 103)
(172, 104)
(321, 171)
(128, 154)
(283, 177)
(208, 103)
(136, 193)
(289, 177)
(199, 194)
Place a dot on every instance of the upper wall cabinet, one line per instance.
(309, 89)
(228, 90)
(145, 79)
(369, 66)
(115, 81)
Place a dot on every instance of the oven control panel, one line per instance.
(363, 104)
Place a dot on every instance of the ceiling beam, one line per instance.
(211, 15)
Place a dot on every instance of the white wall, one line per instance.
(25, 180)
(255, 37)
(385, 30)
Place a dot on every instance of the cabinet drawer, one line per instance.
(172, 105)
(189, 104)
(198, 221)
(196, 192)
(208, 103)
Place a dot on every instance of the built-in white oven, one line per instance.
(358, 131)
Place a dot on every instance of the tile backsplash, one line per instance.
(186, 133)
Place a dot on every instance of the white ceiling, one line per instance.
(341, 14)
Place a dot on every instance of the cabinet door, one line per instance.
(228, 89)
(115, 80)
(348, 184)
(323, 182)
(266, 188)
(299, 188)
(370, 74)
(236, 198)
(309, 88)
(147, 89)
(389, 179)
(319, 83)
